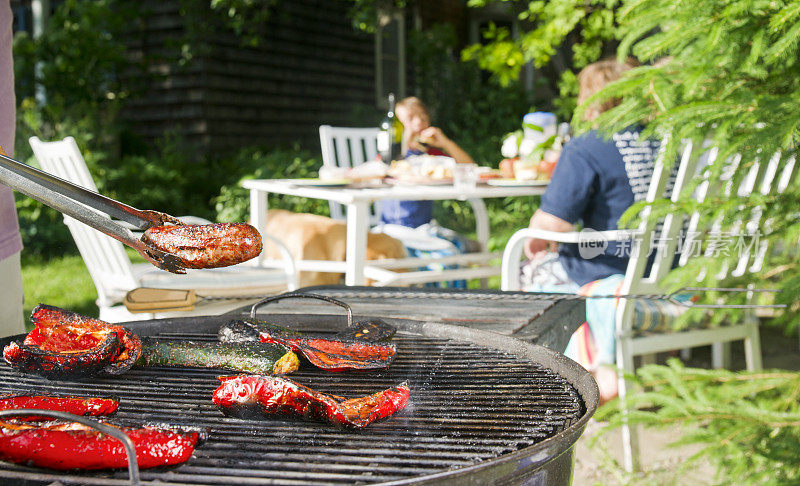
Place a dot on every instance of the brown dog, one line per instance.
(314, 237)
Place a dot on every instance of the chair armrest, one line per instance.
(510, 266)
(289, 264)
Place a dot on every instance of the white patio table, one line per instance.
(357, 200)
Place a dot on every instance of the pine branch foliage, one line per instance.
(726, 72)
(549, 24)
(727, 413)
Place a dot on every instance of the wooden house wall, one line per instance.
(452, 12)
(168, 95)
(311, 68)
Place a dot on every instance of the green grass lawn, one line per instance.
(60, 281)
(64, 282)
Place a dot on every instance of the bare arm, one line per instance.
(435, 137)
(534, 247)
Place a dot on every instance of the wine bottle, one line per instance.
(390, 136)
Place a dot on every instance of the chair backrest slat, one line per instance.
(348, 147)
(670, 237)
(678, 235)
(105, 258)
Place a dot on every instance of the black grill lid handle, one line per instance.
(130, 451)
(301, 295)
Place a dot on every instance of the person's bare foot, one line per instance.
(606, 378)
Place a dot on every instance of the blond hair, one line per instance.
(412, 103)
(595, 77)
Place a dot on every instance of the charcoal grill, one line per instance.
(485, 408)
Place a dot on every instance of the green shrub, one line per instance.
(81, 53)
(474, 111)
(233, 202)
(173, 177)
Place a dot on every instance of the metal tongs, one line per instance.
(76, 201)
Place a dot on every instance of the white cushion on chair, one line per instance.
(651, 315)
(416, 238)
(228, 281)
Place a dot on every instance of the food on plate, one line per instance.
(326, 352)
(546, 168)
(526, 170)
(261, 396)
(507, 167)
(529, 170)
(487, 173)
(239, 356)
(374, 170)
(422, 168)
(62, 403)
(64, 344)
(65, 445)
(206, 245)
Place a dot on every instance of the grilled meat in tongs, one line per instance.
(193, 246)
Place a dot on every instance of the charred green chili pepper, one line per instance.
(245, 357)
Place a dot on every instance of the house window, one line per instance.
(390, 57)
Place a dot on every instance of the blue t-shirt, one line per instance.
(595, 181)
(408, 213)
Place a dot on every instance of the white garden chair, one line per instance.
(345, 147)
(631, 339)
(113, 273)
(350, 147)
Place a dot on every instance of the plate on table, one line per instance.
(515, 183)
(321, 182)
(420, 181)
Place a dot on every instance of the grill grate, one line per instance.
(468, 404)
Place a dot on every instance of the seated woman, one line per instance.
(428, 239)
(596, 180)
(419, 137)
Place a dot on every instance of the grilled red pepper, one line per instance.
(328, 353)
(69, 445)
(63, 403)
(64, 343)
(247, 396)
(49, 317)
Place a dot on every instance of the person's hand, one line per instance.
(536, 248)
(433, 136)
